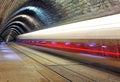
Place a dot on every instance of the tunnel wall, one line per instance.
(78, 10)
(8, 6)
(69, 10)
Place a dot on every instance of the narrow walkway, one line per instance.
(21, 64)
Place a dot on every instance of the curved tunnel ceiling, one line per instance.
(30, 17)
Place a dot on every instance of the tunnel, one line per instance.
(59, 40)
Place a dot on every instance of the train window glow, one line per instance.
(92, 44)
(43, 42)
(53, 42)
(67, 43)
(77, 44)
(104, 46)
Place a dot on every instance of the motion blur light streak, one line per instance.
(100, 28)
(68, 46)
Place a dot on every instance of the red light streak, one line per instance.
(73, 48)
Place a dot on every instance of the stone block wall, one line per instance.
(68, 10)
(78, 10)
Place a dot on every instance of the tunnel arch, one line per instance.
(19, 24)
(36, 11)
(28, 20)
(10, 34)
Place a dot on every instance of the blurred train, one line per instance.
(95, 41)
